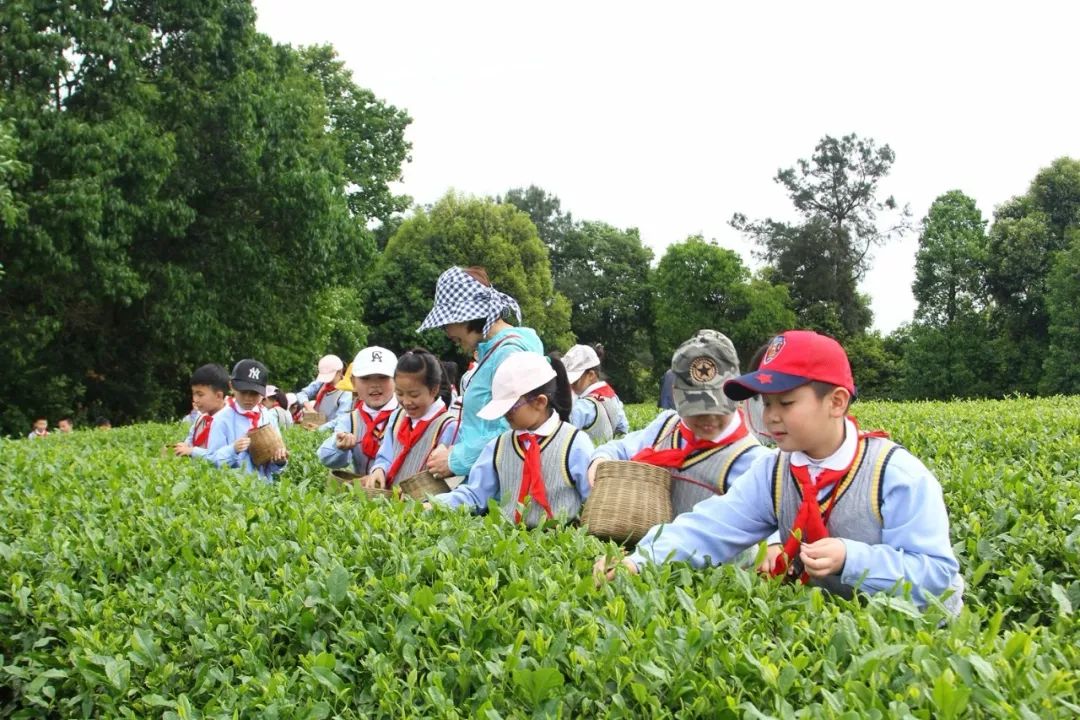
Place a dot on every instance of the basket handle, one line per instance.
(683, 478)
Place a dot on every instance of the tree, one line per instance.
(604, 273)
(823, 257)
(1028, 233)
(698, 284)
(1061, 372)
(952, 314)
(462, 231)
(188, 201)
(545, 210)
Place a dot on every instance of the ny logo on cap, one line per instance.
(376, 356)
(253, 374)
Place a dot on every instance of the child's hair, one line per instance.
(420, 361)
(213, 376)
(450, 372)
(102, 421)
(755, 359)
(280, 399)
(557, 390)
(598, 348)
(821, 389)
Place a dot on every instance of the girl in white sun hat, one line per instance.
(538, 469)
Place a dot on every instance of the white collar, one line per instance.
(240, 410)
(546, 428)
(392, 404)
(431, 412)
(595, 386)
(839, 460)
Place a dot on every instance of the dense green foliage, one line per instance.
(178, 175)
(143, 586)
(698, 284)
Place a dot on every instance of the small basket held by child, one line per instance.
(627, 500)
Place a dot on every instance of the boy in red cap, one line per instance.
(854, 509)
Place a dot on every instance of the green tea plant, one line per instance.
(137, 585)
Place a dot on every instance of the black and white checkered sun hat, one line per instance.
(460, 298)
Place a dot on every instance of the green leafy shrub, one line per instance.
(137, 585)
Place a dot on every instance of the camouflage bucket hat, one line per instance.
(701, 365)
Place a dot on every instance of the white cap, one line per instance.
(290, 399)
(577, 360)
(518, 374)
(328, 368)
(374, 360)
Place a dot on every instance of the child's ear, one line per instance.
(839, 401)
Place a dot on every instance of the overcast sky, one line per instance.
(669, 117)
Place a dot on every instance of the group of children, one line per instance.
(40, 427)
(840, 507)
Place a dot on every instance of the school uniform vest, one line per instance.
(562, 493)
(855, 504)
(602, 427)
(329, 404)
(704, 474)
(416, 460)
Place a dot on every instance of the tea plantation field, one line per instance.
(136, 585)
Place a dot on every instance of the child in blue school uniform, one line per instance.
(421, 422)
(597, 409)
(323, 394)
(855, 510)
(209, 388)
(542, 460)
(358, 434)
(704, 442)
(243, 412)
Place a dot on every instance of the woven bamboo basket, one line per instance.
(422, 484)
(265, 441)
(627, 500)
(346, 477)
(312, 419)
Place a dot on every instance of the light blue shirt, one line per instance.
(389, 448)
(915, 543)
(228, 427)
(483, 484)
(475, 433)
(583, 413)
(333, 457)
(344, 402)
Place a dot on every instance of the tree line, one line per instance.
(176, 188)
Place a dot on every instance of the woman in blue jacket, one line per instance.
(474, 315)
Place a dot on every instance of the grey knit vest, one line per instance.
(602, 428)
(705, 473)
(562, 493)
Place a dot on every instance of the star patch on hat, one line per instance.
(702, 369)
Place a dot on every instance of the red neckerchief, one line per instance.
(325, 390)
(676, 457)
(810, 523)
(252, 415)
(201, 437)
(375, 428)
(407, 439)
(604, 391)
(532, 478)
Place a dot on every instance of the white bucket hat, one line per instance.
(518, 374)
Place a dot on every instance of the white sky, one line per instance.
(669, 117)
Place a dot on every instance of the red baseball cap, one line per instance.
(794, 358)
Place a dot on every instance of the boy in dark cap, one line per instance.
(243, 412)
